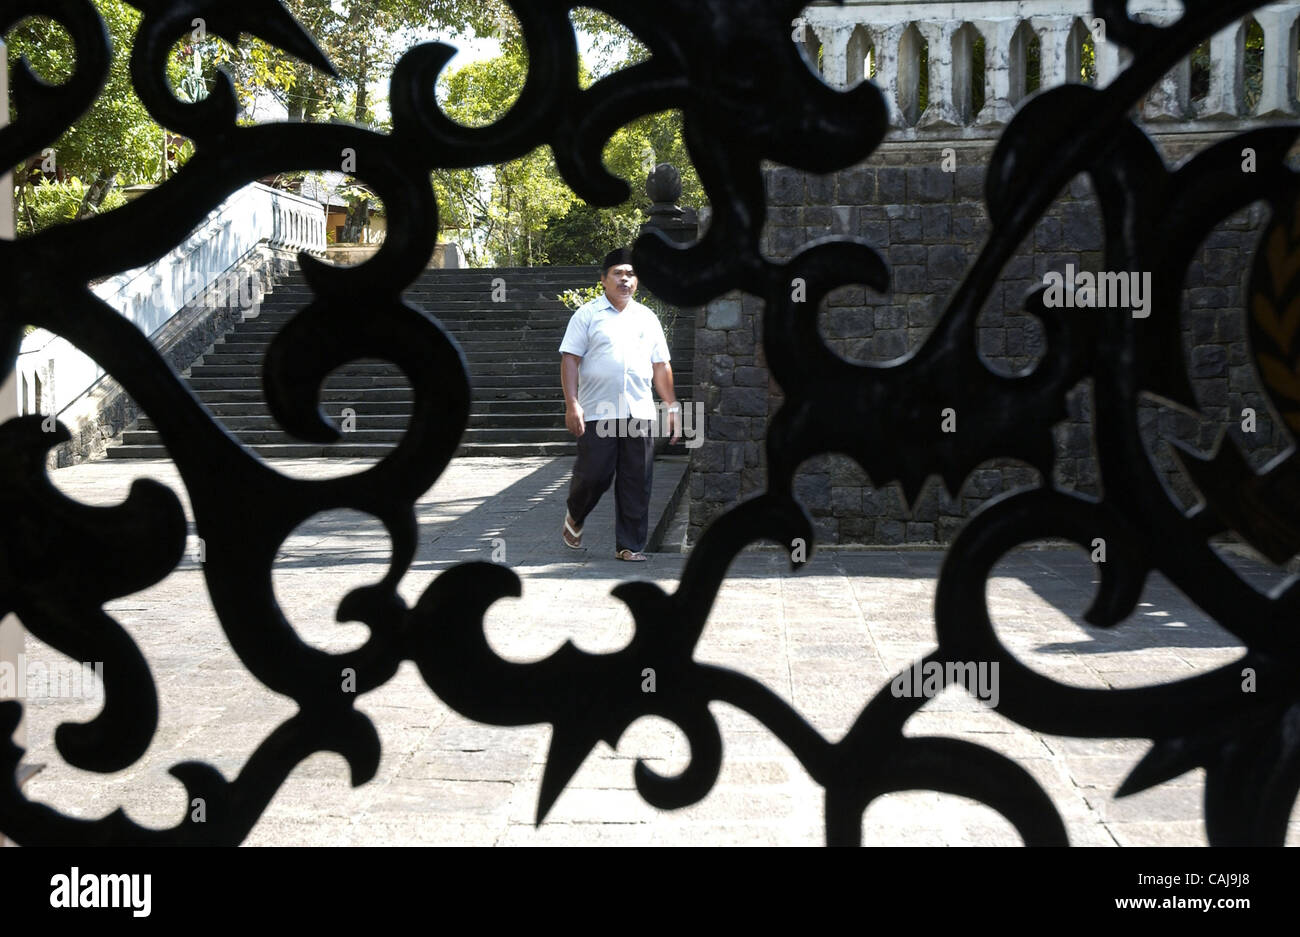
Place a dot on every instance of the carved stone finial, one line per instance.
(664, 184)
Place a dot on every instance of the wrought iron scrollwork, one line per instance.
(746, 96)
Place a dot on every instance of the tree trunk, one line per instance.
(510, 235)
(95, 195)
(362, 12)
(296, 102)
(358, 215)
(363, 79)
(27, 207)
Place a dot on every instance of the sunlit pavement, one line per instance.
(826, 639)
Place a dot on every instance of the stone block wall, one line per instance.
(930, 225)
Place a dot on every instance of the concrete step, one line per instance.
(223, 357)
(540, 404)
(541, 298)
(290, 301)
(372, 437)
(483, 394)
(345, 450)
(359, 397)
(375, 382)
(484, 277)
(476, 317)
(252, 330)
(511, 359)
(573, 277)
(511, 348)
(518, 450)
(516, 348)
(366, 419)
(548, 370)
(256, 407)
(345, 396)
(490, 320)
(381, 382)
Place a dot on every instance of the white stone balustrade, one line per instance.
(296, 223)
(149, 296)
(891, 42)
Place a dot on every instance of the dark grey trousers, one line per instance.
(632, 459)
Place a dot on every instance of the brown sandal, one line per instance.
(572, 533)
(627, 556)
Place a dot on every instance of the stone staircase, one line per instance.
(512, 348)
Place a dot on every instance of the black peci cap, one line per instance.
(615, 258)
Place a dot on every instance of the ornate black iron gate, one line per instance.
(731, 68)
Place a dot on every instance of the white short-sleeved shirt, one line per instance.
(619, 351)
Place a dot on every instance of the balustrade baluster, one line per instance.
(1277, 96)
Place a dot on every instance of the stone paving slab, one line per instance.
(825, 640)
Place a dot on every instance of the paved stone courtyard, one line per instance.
(825, 639)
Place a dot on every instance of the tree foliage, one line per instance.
(51, 203)
(508, 206)
(522, 211)
(519, 212)
(363, 39)
(116, 141)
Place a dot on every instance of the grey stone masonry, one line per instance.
(929, 225)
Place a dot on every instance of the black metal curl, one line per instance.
(746, 97)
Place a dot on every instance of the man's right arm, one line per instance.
(573, 415)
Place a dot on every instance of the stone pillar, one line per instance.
(886, 40)
(1054, 35)
(909, 74)
(682, 225)
(1169, 99)
(835, 55)
(11, 632)
(962, 77)
(941, 111)
(1225, 99)
(998, 106)
(1277, 95)
(1074, 41)
(1112, 58)
(806, 37)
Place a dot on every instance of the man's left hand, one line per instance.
(674, 426)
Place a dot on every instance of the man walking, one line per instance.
(613, 352)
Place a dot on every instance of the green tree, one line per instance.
(586, 231)
(522, 211)
(116, 141)
(362, 38)
(510, 205)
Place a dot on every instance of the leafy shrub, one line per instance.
(575, 299)
(52, 203)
